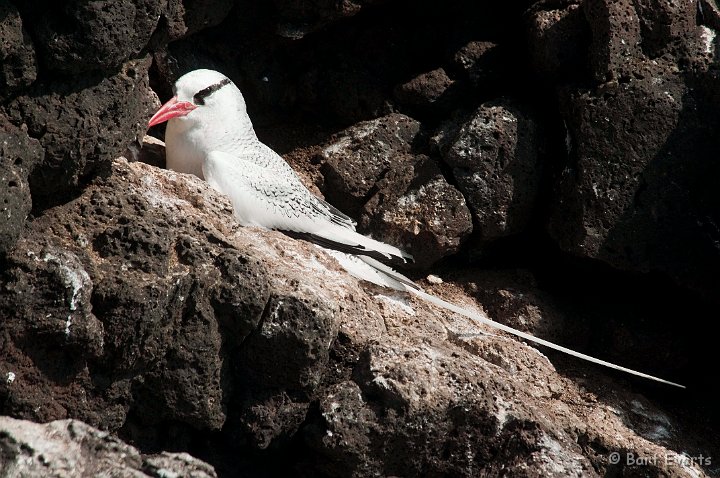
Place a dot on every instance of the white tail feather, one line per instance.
(358, 267)
(496, 325)
(378, 273)
(387, 271)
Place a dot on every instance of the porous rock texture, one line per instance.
(18, 156)
(67, 448)
(77, 36)
(635, 190)
(427, 93)
(17, 56)
(82, 124)
(374, 171)
(494, 156)
(550, 162)
(172, 320)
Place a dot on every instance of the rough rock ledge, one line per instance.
(178, 326)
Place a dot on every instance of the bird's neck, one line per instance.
(189, 142)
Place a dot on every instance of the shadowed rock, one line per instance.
(634, 191)
(82, 125)
(19, 155)
(18, 63)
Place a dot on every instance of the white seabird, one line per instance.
(210, 135)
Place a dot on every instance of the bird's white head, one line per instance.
(206, 114)
(199, 95)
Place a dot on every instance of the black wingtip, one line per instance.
(352, 249)
(404, 258)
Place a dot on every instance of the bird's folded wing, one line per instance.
(262, 197)
(268, 158)
(259, 196)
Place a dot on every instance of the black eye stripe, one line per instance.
(199, 98)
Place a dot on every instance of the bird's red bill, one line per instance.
(171, 109)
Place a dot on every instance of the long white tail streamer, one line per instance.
(378, 273)
(496, 325)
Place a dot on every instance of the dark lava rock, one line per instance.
(415, 206)
(481, 62)
(636, 191)
(559, 39)
(298, 18)
(114, 330)
(175, 327)
(78, 36)
(361, 156)
(616, 37)
(18, 157)
(371, 172)
(495, 161)
(185, 17)
(427, 93)
(668, 28)
(82, 125)
(639, 194)
(296, 333)
(18, 65)
(626, 30)
(67, 448)
(616, 133)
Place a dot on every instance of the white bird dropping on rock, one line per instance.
(210, 135)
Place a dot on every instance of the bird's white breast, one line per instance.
(185, 147)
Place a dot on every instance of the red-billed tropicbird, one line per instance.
(210, 135)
